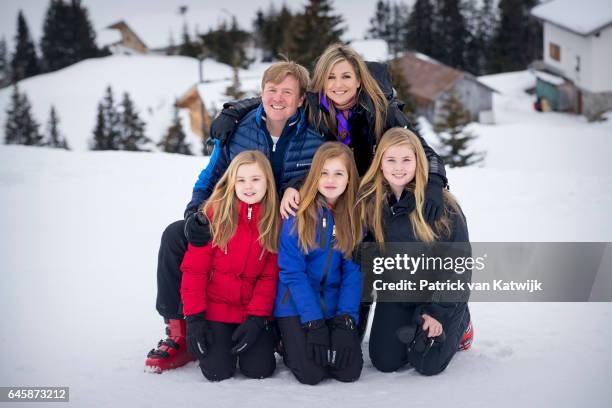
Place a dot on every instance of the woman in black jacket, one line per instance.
(391, 201)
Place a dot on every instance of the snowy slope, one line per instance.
(78, 250)
(153, 82)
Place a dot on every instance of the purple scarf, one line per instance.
(344, 135)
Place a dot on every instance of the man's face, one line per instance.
(281, 100)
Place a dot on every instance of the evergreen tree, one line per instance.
(402, 87)
(54, 137)
(381, 22)
(398, 32)
(24, 63)
(518, 37)
(420, 34)
(21, 127)
(451, 34)
(5, 76)
(234, 91)
(271, 31)
(100, 138)
(313, 31)
(132, 128)
(481, 26)
(454, 138)
(175, 139)
(107, 133)
(227, 44)
(68, 36)
(188, 47)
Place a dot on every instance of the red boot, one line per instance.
(172, 352)
(467, 338)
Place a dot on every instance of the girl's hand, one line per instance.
(290, 202)
(431, 324)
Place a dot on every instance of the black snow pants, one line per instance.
(305, 370)
(171, 252)
(220, 364)
(389, 354)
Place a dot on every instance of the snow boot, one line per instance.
(172, 352)
(467, 338)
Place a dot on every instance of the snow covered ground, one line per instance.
(78, 249)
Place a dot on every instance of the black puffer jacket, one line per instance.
(397, 227)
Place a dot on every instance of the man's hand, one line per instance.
(290, 202)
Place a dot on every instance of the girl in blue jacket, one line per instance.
(319, 290)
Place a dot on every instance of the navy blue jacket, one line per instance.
(252, 134)
(320, 284)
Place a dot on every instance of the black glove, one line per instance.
(416, 338)
(343, 341)
(197, 230)
(248, 332)
(317, 342)
(434, 203)
(224, 125)
(199, 336)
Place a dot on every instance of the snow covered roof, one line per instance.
(583, 17)
(550, 78)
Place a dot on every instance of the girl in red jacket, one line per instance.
(228, 286)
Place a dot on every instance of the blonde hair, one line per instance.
(334, 54)
(346, 218)
(374, 188)
(221, 209)
(277, 72)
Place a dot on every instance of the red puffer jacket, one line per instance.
(229, 285)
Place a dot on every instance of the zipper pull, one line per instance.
(324, 221)
(249, 211)
(334, 231)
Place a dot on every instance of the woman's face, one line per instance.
(398, 166)
(342, 83)
(333, 180)
(251, 183)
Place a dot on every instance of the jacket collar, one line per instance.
(297, 119)
(243, 211)
(406, 203)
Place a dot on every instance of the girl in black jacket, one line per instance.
(391, 200)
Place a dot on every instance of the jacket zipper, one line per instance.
(249, 212)
(327, 262)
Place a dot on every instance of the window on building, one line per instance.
(555, 51)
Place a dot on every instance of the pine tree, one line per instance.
(420, 34)
(68, 36)
(398, 32)
(454, 138)
(188, 47)
(107, 133)
(381, 22)
(100, 138)
(21, 127)
(518, 37)
(227, 44)
(24, 63)
(175, 139)
(451, 34)
(481, 26)
(234, 91)
(5, 76)
(132, 128)
(54, 137)
(402, 87)
(272, 30)
(313, 31)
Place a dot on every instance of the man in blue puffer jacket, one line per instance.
(279, 129)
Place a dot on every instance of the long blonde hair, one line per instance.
(222, 207)
(374, 188)
(334, 54)
(346, 218)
